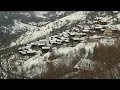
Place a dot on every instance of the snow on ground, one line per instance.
(40, 14)
(37, 64)
(64, 50)
(108, 41)
(19, 26)
(26, 14)
(49, 27)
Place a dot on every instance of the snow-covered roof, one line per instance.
(26, 47)
(98, 17)
(66, 40)
(33, 43)
(67, 30)
(31, 51)
(98, 27)
(41, 44)
(85, 30)
(115, 11)
(42, 41)
(49, 45)
(72, 33)
(56, 35)
(75, 28)
(102, 29)
(58, 42)
(65, 35)
(80, 33)
(62, 38)
(95, 21)
(46, 47)
(75, 38)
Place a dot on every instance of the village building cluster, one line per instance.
(67, 38)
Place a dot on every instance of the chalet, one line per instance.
(72, 34)
(45, 49)
(33, 45)
(86, 31)
(76, 39)
(65, 43)
(62, 38)
(24, 48)
(96, 22)
(52, 41)
(49, 45)
(67, 30)
(59, 43)
(108, 32)
(40, 45)
(87, 28)
(80, 35)
(56, 36)
(98, 18)
(98, 29)
(75, 29)
(102, 30)
(103, 22)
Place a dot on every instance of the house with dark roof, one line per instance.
(45, 49)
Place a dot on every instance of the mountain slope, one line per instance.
(41, 31)
(15, 23)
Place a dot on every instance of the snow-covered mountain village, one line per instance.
(60, 45)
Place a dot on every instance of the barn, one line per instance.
(108, 32)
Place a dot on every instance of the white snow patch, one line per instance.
(40, 14)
